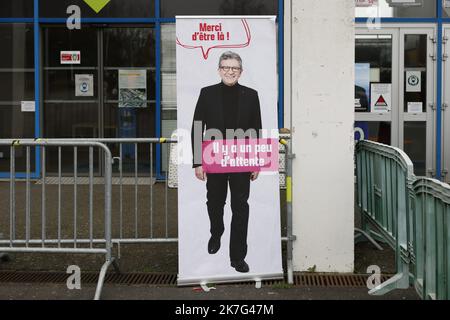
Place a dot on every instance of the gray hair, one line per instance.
(230, 55)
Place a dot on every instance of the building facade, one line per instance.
(124, 35)
(395, 40)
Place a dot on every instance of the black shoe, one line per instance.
(240, 266)
(213, 245)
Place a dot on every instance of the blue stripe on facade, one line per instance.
(167, 20)
(37, 124)
(101, 20)
(280, 63)
(16, 20)
(19, 175)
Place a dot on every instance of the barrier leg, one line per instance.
(367, 236)
(101, 277)
(399, 281)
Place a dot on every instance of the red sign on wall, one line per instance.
(70, 57)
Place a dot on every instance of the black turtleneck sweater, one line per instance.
(230, 105)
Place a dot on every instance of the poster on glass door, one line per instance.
(380, 97)
(132, 88)
(228, 184)
(362, 84)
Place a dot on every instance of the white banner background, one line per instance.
(193, 73)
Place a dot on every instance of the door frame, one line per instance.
(398, 116)
(391, 117)
(430, 116)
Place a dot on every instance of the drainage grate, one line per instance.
(89, 278)
(169, 279)
(333, 280)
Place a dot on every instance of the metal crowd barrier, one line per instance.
(134, 215)
(384, 175)
(409, 213)
(58, 233)
(430, 238)
(137, 211)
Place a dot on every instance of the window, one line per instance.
(17, 85)
(16, 8)
(169, 88)
(385, 9)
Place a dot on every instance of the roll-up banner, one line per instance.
(228, 200)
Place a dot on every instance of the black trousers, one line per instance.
(217, 187)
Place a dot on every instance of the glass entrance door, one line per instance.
(67, 111)
(109, 92)
(417, 101)
(128, 102)
(445, 108)
(394, 91)
(376, 62)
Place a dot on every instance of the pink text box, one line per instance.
(240, 155)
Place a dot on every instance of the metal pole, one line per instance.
(43, 213)
(136, 235)
(12, 196)
(166, 187)
(59, 197)
(121, 192)
(108, 187)
(91, 192)
(290, 238)
(151, 190)
(75, 182)
(28, 197)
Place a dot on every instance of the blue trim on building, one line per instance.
(101, 20)
(167, 20)
(37, 90)
(19, 175)
(280, 63)
(16, 20)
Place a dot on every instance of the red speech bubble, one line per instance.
(205, 51)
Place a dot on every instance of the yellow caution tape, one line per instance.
(162, 140)
(283, 142)
(16, 143)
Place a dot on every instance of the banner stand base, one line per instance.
(258, 278)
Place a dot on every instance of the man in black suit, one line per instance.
(228, 110)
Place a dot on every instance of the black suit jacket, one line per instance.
(209, 111)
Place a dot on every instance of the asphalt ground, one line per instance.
(26, 291)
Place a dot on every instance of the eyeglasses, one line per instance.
(226, 69)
